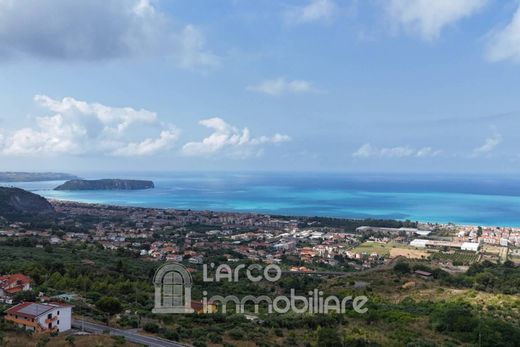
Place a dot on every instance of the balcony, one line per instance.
(50, 320)
(21, 321)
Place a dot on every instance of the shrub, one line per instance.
(237, 333)
(171, 335)
(215, 338)
(151, 328)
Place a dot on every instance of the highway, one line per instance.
(130, 336)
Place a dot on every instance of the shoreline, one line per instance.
(288, 217)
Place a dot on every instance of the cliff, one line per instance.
(105, 184)
(16, 203)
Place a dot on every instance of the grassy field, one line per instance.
(408, 253)
(370, 247)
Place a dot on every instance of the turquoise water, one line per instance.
(484, 200)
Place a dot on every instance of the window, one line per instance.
(173, 290)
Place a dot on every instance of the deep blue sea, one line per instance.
(479, 200)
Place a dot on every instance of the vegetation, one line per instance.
(111, 282)
(456, 257)
(490, 277)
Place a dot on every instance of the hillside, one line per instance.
(34, 176)
(106, 184)
(19, 203)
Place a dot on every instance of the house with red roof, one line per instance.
(41, 317)
(12, 284)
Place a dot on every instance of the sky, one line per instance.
(313, 85)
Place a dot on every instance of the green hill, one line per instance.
(16, 203)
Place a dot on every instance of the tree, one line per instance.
(109, 305)
(402, 267)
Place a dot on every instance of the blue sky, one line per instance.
(326, 85)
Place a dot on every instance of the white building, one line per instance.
(470, 246)
(419, 243)
(44, 317)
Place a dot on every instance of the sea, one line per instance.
(461, 199)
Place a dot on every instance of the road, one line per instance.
(130, 336)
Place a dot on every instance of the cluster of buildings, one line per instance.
(471, 238)
(172, 235)
(43, 317)
(463, 246)
(10, 285)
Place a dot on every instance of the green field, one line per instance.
(375, 247)
(458, 257)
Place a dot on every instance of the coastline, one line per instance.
(281, 216)
(472, 201)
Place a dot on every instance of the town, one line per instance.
(299, 245)
(193, 236)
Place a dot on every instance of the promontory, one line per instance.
(19, 204)
(105, 184)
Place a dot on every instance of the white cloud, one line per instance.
(504, 44)
(489, 145)
(236, 142)
(191, 50)
(427, 18)
(149, 146)
(367, 151)
(315, 10)
(97, 30)
(79, 128)
(281, 86)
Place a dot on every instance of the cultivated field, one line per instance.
(408, 253)
(456, 257)
(370, 247)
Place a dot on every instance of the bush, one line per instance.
(152, 328)
(278, 332)
(328, 337)
(237, 333)
(215, 338)
(171, 335)
(402, 268)
(43, 341)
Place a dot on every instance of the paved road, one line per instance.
(130, 336)
(322, 273)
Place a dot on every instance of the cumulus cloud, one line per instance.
(236, 142)
(315, 10)
(78, 127)
(489, 145)
(367, 151)
(97, 30)
(427, 18)
(279, 86)
(150, 145)
(504, 43)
